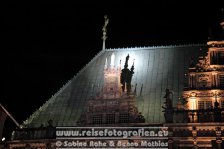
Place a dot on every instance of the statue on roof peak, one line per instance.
(104, 29)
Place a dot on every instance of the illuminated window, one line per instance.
(97, 119)
(124, 118)
(110, 118)
(204, 104)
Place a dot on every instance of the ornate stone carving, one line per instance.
(203, 64)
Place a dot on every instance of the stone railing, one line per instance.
(194, 116)
(206, 115)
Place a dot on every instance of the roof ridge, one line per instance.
(155, 47)
(53, 97)
(84, 67)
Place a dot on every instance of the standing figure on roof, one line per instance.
(104, 29)
(168, 96)
(168, 112)
(126, 76)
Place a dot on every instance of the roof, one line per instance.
(157, 68)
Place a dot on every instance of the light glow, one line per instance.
(112, 60)
(192, 103)
(105, 67)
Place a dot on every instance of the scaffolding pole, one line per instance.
(17, 124)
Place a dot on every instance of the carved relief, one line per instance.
(203, 80)
(209, 93)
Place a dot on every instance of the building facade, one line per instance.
(107, 95)
(199, 122)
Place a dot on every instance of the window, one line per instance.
(220, 57)
(204, 104)
(221, 81)
(97, 119)
(208, 104)
(110, 118)
(216, 58)
(222, 104)
(200, 104)
(124, 118)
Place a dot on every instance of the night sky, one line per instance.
(45, 45)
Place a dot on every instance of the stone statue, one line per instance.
(168, 102)
(168, 112)
(104, 29)
(126, 76)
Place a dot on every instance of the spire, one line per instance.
(105, 67)
(112, 60)
(132, 67)
(104, 29)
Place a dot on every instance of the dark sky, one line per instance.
(45, 45)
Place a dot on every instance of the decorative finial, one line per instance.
(133, 63)
(132, 67)
(104, 29)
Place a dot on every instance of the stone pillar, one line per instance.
(104, 40)
(216, 80)
(170, 139)
(213, 80)
(189, 81)
(193, 81)
(168, 114)
(219, 144)
(211, 56)
(218, 138)
(170, 143)
(194, 133)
